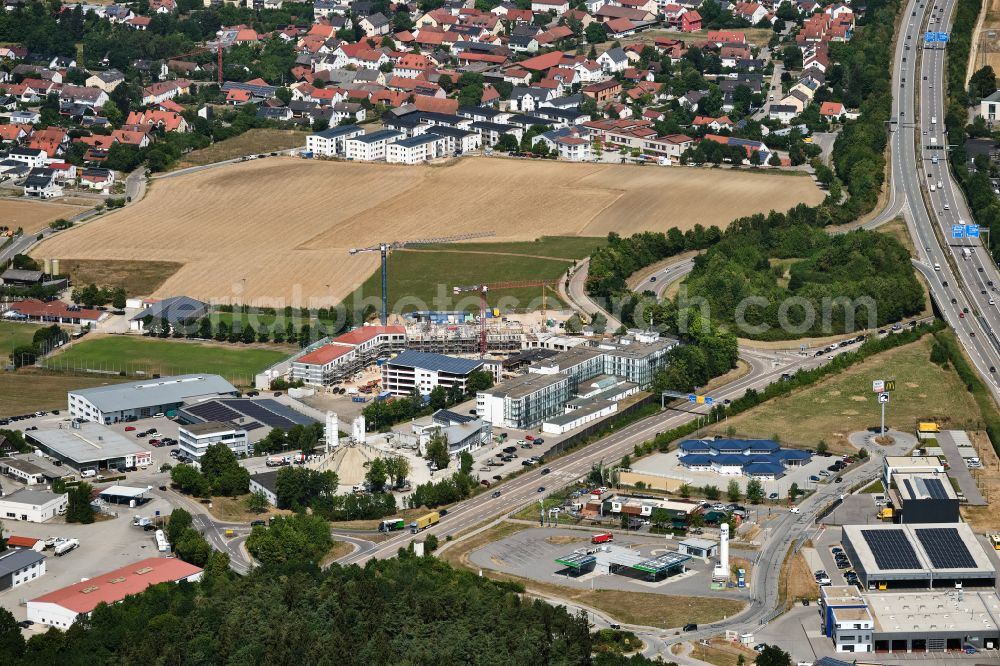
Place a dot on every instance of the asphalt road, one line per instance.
(524, 490)
(576, 294)
(959, 286)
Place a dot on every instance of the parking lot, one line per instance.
(667, 464)
(104, 545)
(532, 553)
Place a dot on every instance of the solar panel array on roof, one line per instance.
(261, 413)
(935, 488)
(213, 411)
(891, 549)
(945, 548)
(286, 411)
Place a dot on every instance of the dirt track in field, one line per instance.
(278, 231)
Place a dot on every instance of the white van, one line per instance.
(88, 473)
(937, 266)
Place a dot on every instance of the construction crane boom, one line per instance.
(385, 248)
(487, 286)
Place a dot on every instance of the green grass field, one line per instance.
(29, 390)
(565, 247)
(237, 363)
(422, 278)
(844, 403)
(14, 334)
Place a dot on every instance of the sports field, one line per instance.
(14, 334)
(32, 216)
(844, 403)
(129, 354)
(273, 230)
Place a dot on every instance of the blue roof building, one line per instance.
(759, 458)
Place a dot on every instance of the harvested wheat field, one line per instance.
(278, 231)
(32, 216)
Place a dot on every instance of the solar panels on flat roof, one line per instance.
(935, 488)
(945, 548)
(891, 549)
(213, 411)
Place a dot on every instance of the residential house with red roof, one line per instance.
(169, 121)
(690, 21)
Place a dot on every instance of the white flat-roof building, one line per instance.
(332, 141)
(33, 506)
(423, 372)
(417, 149)
(371, 147)
(525, 401)
(923, 555)
(195, 439)
(145, 398)
(89, 446)
(909, 465)
(911, 622)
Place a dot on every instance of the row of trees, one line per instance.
(189, 545)
(220, 474)
(612, 264)
(43, 341)
(91, 296)
(304, 438)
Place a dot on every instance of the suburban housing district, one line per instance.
(586, 369)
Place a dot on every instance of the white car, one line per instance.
(946, 207)
(794, 509)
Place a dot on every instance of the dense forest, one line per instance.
(798, 278)
(406, 610)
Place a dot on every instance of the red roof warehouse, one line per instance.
(61, 608)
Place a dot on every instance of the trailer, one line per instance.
(66, 546)
(425, 521)
(162, 544)
(391, 525)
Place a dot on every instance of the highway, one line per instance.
(962, 288)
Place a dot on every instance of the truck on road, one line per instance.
(276, 461)
(391, 525)
(425, 521)
(66, 546)
(966, 253)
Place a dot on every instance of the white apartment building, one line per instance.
(333, 140)
(417, 149)
(371, 147)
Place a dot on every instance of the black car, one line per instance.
(497, 477)
(691, 626)
(258, 523)
(443, 512)
(496, 493)
(546, 471)
(541, 489)
(24, 624)
(538, 441)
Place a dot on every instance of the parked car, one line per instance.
(129, 428)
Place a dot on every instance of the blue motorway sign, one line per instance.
(930, 37)
(972, 230)
(958, 231)
(692, 397)
(709, 400)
